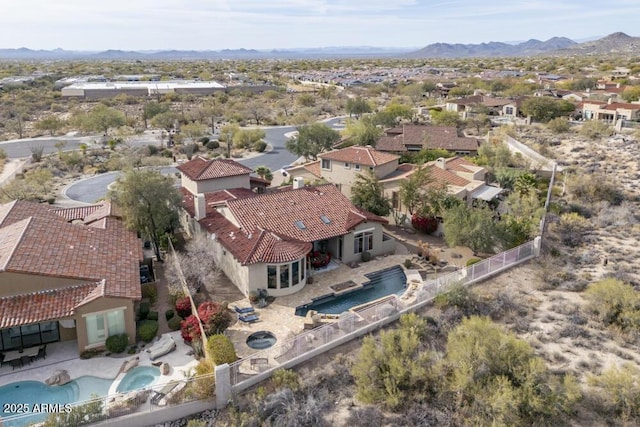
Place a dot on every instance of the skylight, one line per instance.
(325, 219)
(300, 225)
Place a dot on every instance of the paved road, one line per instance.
(91, 189)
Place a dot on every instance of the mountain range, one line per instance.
(616, 43)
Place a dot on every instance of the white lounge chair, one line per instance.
(163, 346)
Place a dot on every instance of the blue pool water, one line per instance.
(28, 394)
(138, 378)
(381, 283)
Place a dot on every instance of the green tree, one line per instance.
(152, 109)
(445, 118)
(368, 194)
(363, 132)
(543, 109)
(631, 94)
(165, 120)
(595, 129)
(264, 173)
(559, 125)
(221, 350)
(357, 107)
(101, 119)
(227, 133)
(193, 131)
(246, 138)
(149, 202)
(471, 227)
(51, 124)
(312, 140)
(413, 190)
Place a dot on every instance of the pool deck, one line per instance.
(64, 356)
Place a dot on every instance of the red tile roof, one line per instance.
(314, 168)
(214, 199)
(268, 231)
(624, 105)
(460, 164)
(446, 177)
(44, 243)
(42, 306)
(365, 156)
(199, 169)
(278, 212)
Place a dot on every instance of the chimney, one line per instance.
(298, 182)
(610, 101)
(200, 207)
(441, 163)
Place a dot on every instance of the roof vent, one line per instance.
(300, 225)
(325, 219)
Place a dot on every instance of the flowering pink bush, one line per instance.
(425, 224)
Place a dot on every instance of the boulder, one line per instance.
(165, 369)
(59, 377)
(130, 364)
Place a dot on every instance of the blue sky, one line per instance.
(264, 24)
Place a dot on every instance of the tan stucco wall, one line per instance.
(105, 304)
(17, 283)
(259, 280)
(378, 248)
(210, 185)
(346, 177)
(383, 170)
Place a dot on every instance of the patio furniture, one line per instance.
(42, 353)
(243, 310)
(158, 395)
(16, 363)
(26, 360)
(164, 345)
(250, 318)
(257, 362)
(1, 359)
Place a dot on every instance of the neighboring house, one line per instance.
(200, 175)
(341, 167)
(470, 104)
(66, 274)
(263, 241)
(610, 112)
(460, 177)
(513, 108)
(417, 137)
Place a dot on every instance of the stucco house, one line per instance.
(417, 137)
(66, 274)
(610, 112)
(265, 241)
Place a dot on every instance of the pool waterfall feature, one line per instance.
(381, 283)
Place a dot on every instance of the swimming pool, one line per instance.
(138, 378)
(15, 397)
(381, 283)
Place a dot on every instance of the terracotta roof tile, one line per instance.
(214, 199)
(278, 212)
(365, 156)
(79, 212)
(42, 306)
(446, 177)
(45, 244)
(314, 168)
(199, 169)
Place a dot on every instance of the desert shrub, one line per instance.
(152, 150)
(496, 379)
(472, 261)
(183, 307)
(212, 145)
(617, 392)
(424, 224)
(153, 315)
(365, 256)
(285, 378)
(593, 188)
(174, 323)
(204, 140)
(370, 416)
(594, 129)
(150, 290)
(558, 125)
(614, 303)
(117, 343)
(407, 263)
(221, 350)
(571, 229)
(459, 296)
(392, 368)
(144, 309)
(214, 316)
(87, 413)
(147, 330)
(169, 314)
(197, 423)
(259, 146)
(205, 385)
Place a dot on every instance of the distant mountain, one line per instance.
(611, 44)
(529, 48)
(322, 52)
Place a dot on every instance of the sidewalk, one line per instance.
(11, 168)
